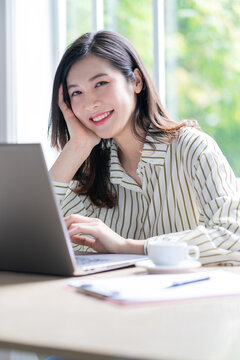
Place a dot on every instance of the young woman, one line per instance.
(127, 174)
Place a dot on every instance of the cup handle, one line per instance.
(195, 250)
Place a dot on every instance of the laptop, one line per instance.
(33, 234)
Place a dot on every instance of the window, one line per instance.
(78, 18)
(203, 68)
(116, 18)
(198, 54)
(202, 55)
(30, 34)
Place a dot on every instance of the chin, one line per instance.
(105, 134)
(105, 137)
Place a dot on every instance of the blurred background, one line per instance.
(190, 47)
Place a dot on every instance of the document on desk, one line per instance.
(157, 288)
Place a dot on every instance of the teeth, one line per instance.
(101, 117)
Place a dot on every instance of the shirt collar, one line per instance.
(149, 156)
(117, 174)
(153, 155)
(116, 170)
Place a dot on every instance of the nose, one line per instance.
(91, 102)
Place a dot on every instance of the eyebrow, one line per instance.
(91, 79)
(96, 76)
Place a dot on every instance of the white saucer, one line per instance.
(184, 266)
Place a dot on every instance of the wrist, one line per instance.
(68, 162)
(83, 148)
(130, 246)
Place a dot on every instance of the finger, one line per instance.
(61, 102)
(85, 228)
(67, 112)
(75, 218)
(85, 241)
(70, 219)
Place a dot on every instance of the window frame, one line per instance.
(8, 128)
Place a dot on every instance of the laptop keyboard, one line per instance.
(85, 260)
(102, 259)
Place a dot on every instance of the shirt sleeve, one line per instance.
(218, 194)
(60, 190)
(71, 203)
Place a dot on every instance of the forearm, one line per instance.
(69, 161)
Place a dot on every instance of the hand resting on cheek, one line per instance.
(77, 131)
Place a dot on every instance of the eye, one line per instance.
(100, 83)
(75, 93)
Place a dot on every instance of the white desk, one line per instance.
(40, 314)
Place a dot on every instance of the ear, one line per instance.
(138, 83)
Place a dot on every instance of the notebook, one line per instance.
(153, 288)
(33, 234)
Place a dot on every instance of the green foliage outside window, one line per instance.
(79, 18)
(134, 20)
(208, 70)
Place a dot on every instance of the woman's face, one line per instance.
(101, 97)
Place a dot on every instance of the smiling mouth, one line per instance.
(101, 118)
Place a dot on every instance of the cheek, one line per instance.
(76, 107)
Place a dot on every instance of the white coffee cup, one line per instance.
(164, 252)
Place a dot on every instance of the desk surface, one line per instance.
(41, 314)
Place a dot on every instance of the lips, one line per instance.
(101, 118)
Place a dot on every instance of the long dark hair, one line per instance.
(93, 175)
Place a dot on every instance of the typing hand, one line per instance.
(103, 239)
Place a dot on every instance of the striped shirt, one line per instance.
(189, 193)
